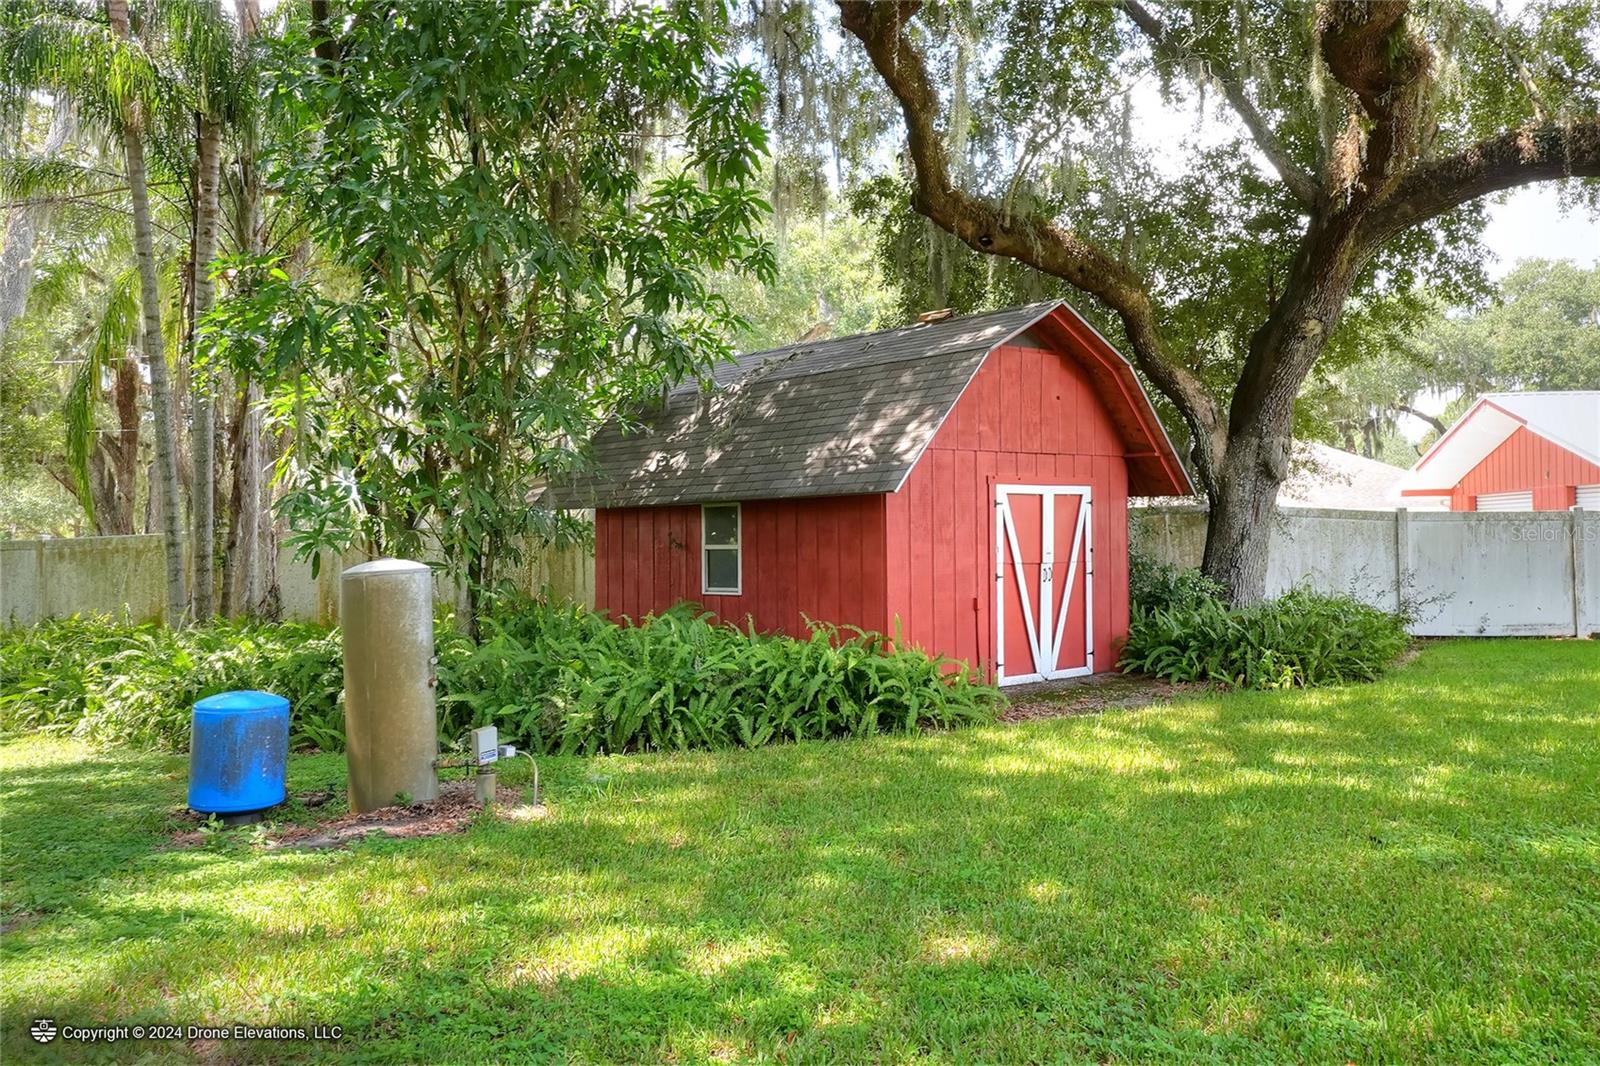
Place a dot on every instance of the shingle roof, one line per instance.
(843, 416)
(1323, 476)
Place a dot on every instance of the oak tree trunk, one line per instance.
(1255, 460)
(165, 425)
(1243, 508)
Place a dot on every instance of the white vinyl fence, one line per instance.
(42, 579)
(1459, 574)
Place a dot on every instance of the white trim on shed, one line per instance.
(708, 549)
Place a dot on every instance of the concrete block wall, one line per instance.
(125, 576)
(1460, 574)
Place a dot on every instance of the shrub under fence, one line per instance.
(552, 678)
(1181, 630)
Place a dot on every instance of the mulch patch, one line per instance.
(1092, 695)
(454, 810)
(1117, 692)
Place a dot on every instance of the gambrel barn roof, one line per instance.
(848, 416)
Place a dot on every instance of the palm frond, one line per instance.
(204, 54)
(39, 178)
(64, 48)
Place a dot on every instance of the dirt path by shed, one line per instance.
(1091, 695)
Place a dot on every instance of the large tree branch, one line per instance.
(1170, 51)
(1437, 423)
(1370, 50)
(1543, 152)
(1037, 242)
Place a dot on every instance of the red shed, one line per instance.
(961, 482)
(1516, 451)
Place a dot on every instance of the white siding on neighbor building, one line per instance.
(1589, 497)
(1505, 501)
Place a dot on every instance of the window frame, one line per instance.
(737, 548)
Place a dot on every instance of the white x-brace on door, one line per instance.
(1044, 582)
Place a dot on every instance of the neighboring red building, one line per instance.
(1516, 451)
(961, 482)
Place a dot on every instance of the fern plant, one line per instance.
(1302, 639)
(549, 677)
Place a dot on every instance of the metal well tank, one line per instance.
(391, 723)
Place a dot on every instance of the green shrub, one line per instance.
(551, 678)
(1158, 586)
(1300, 639)
(565, 679)
(117, 683)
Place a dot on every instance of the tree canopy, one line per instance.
(522, 263)
(1358, 142)
(1543, 332)
(400, 259)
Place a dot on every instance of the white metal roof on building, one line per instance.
(1570, 420)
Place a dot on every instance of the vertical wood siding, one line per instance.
(1028, 417)
(820, 558)
(1527, 461)
(920, 559)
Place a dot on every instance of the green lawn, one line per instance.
(1402, 871)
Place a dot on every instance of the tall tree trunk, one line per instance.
(230, 551)
(1255, 459)
(154, 347)
(125, 455)
(269, 598)
(115, 460)
(249, 511)
(24, 223)
(245, 537)
(203, 436)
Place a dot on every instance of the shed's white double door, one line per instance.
(1044, 582)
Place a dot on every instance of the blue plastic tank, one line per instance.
(237, 752)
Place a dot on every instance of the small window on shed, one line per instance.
(720, 565)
